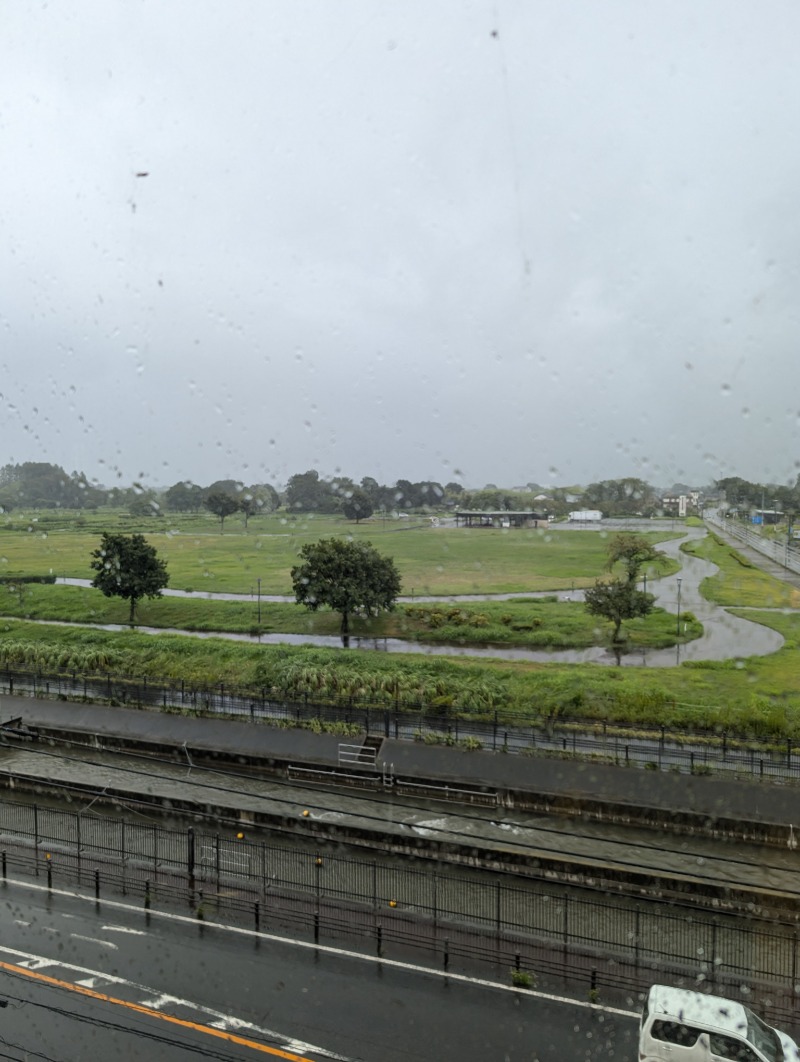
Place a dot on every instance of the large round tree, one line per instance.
(350, 577)
(128, 566)
(358, 506)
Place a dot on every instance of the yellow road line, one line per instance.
(139, 1008)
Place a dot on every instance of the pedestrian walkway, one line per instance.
(766, 564)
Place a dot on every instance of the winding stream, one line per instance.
(724, 636)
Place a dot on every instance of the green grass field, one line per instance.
(430, 560)
(739, 582)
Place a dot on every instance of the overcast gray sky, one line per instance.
(540, 240)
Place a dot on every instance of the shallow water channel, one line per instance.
(724, 636)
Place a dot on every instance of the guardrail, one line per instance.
(358, 756)
(780, 552)
(329, 776)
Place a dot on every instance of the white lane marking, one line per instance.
(49, 929)
(125, 929)
(96, 940)
(161, 1001)
(21, 922)
(329, 950)
(34, 962)
(229, 1023)
(37, 962)
(92, 982)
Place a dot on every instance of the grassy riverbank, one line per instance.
(756, 695)
(526, 623)
(739, 581)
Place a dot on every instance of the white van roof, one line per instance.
(724, 1015)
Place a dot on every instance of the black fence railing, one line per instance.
(660, 749)
(494, 920)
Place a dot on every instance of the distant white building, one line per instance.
(585, 516)
(681, 504)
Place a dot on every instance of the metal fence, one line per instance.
(676, 750)
(782, 552)
(424, 903)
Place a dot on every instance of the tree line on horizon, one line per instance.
(41, 485)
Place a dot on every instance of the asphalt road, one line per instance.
(83, 982)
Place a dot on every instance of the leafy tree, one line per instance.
(633, 551)
(740, 493)
(373, 488)
(620, 497)
(144, 505)
(248, 506)
(342, 486)
(425, 494)
(267, 498)
(221, 504)
(128, 566)
(617, 601)
(308, 493)
(349, 577)
(40, 485)
(405, 494)
(358, 506)
(184, 497)
(225, 486)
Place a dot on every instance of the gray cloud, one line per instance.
(386, 241)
